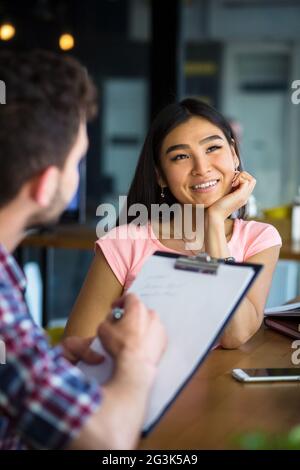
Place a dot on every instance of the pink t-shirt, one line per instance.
(126, 248)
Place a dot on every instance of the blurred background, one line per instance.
(239, 55)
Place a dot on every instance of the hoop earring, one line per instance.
(162, 194)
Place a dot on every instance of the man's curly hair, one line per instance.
(47, 96)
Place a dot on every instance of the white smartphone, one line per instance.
(288, 374)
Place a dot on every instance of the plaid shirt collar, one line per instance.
(10, 273)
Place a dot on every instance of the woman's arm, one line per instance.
(100, 289)
(249, 316)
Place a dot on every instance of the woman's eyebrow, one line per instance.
(186, 146)
(209, 138)
(177, 147)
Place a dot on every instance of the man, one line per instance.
(45, 402)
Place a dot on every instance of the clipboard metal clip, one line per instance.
(202, 263)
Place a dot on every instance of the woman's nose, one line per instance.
(200, 166)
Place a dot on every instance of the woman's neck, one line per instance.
(187, 229)
(193, 222)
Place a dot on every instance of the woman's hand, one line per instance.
(242, 187)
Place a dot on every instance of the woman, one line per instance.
(190, 157)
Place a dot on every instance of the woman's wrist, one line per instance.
(215, 237)
(214, 218)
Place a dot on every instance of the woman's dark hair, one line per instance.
(47, 96)
(144, 188)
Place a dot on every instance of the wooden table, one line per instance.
(214, 407)
(78, 237)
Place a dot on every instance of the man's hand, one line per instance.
(139, 332)
(78, 349)
(136, 342)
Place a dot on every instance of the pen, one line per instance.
(117, 313)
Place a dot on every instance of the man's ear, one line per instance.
(45, 186)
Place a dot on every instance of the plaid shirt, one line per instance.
(44, 400)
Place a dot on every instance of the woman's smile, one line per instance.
(205, 187)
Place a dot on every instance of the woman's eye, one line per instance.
(213, 148)
(181, 156)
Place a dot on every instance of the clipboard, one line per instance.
(195, 298)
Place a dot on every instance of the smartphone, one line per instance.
(289, 374)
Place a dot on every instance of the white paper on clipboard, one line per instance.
(194, 308)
